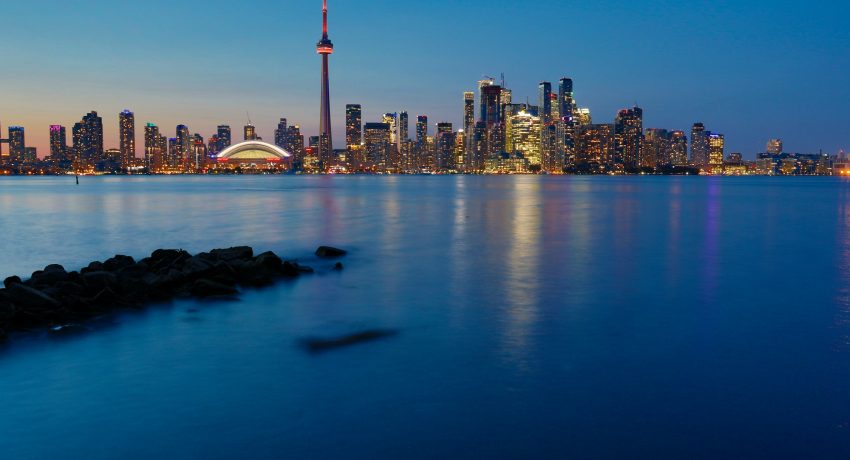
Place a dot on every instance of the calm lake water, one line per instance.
(538, 317)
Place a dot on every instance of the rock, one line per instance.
(338, 266)
(97, 281)
(48, 277)
(328, 252)
(54, 267)
(26, 297)
(95, 266)
(136, 271)
(289, 269)
(318, 344)
(208, 288)
(270, 261)
(196, 267)
(235, 253)
(164, 259)
(8, 282)
(118, 262)
(304, 269)
(7, 311)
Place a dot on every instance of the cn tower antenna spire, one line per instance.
(325, 48)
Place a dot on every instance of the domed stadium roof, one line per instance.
(253, 151)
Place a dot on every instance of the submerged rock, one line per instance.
(314, 344)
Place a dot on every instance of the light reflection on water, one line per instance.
(538, 317)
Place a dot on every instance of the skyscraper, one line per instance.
(699, 145)
(325, 48)
(127, 137)
(224, 137)
(544, 100)
(403, 127)
(774, 146)
(628, 137)
(566, 100)
(377, 141)
(250, 132)
(182, 153)
(17, 144)
(153, 153)
(58, 143)
(444, 155)
(88, 138)
(353, 126)
(525, 132)
(716, 147)
(468, 111)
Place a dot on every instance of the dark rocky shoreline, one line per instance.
(54, 297)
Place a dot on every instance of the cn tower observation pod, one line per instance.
(255, 152)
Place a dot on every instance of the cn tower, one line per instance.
(325, 47)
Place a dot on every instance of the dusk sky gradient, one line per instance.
(751, 70)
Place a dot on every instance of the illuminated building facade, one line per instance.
(774, 147)
(699, 146)
(628, 137)
(325, 48)
(58, 143)
(353, 126)
(716, 144)
(376, 137)
(525, 132)
(445, 148)
(126, 138)
(17, 144)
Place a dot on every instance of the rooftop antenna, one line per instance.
(249, 116)
(503, 79)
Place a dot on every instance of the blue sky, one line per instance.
(751, 70)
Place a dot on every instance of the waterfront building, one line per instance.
(403, 128)
(224, 137)
(678, 148)
(774, 146)
(88, 139)
(716, 144)
(699, 146)
(30, 155)
(445, 147)
(468, 111)
(594, 147)
(544, 98)
(628, 137)
(377, 143)
(126, 138)
(526, 132)
(153, 148)
(182, 156)
(58, 143)
(482, 84)
(17, 144)
(353, 126)
(252, 155)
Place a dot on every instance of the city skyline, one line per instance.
(382, 78)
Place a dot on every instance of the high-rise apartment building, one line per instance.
(58, 143)
(126, 138)
(774, 147)
(628, 137)
(544, 102)
(699, 146)
(353, 126)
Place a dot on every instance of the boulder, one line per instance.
(329, 252)
(54, 267)
(7, 311)
(208, 288)
(338, 266)
(8, 282)
(26, 297)
(118, 262)
(48, 277)
(270, 261)
(97, 281)
(95, 266)
(235, 253)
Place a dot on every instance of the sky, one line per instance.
(752, 70)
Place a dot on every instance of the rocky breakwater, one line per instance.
(54, 297)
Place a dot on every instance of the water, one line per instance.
(633, 317)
